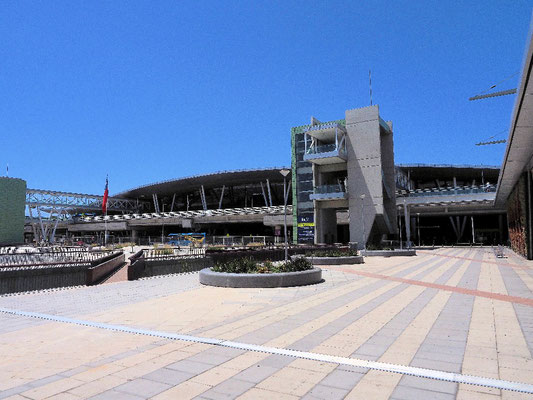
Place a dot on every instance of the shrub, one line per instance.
(255, 244)
(247, 265)
(237, 266)
(334, 253)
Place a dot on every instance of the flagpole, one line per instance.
(105, 222)
(104, 201)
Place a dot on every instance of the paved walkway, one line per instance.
(454, 310)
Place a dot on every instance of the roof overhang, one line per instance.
(214, 180)
(519, 149)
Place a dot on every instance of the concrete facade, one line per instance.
(370, 173)
(344, 165)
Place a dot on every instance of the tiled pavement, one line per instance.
(458, 310)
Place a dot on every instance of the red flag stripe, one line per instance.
(104, 201)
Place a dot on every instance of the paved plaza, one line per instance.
(458, 310)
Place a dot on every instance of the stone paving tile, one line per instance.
(168, 376)
(193, 367)
(256, 373)
(142, 387)
(433, 385)
(325, 393)
(14, 391)
(97, 386)
(113, 394)
(410, 393)
(342, 379)
(207, 357)
(230, 388)
(303, 318)
(264, 394)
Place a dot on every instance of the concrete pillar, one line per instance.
(134, 235)
(500, 229)
(414, 227)
(407, 226)
(326, 225)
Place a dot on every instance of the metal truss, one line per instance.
(79, 201)
(274, 210)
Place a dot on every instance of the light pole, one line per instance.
(163, 228)
(285, 172)
(418, 226)
(473, 233)
(363, 219)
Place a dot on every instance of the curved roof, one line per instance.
(216, 179)
(447, 171)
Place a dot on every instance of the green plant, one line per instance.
(125, 244)
(237, 266)
(333, 253)
(248, 266)
(255, 244)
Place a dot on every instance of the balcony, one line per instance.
(325, 144)
(329, 192)
(325, 154)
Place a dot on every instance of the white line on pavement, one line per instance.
(355, 362)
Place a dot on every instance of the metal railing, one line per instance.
(448, 191)
(273, 210)
(166, 253)
(51, 256)
(249, 241)
(324, 148)
(326, 189)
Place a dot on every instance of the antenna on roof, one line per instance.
(370, 84)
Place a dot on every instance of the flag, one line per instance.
(106, 192)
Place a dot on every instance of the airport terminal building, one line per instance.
(344, 187)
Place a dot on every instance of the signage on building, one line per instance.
(306, 229)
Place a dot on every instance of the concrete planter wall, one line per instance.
(388, 253)
(55, 275)
(13, 280)
(333, 260)
(141, 267)
(223, 279)
(336, 260)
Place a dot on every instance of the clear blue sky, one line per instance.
(153, 90)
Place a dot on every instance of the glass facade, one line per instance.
(302, 188)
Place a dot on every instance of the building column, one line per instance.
(134, 235)
(407, 225)
(500, 229)
(326, 225)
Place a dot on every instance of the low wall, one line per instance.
(142, 267)
(336, 260)
(42, 276)
(223, 279)
(103, 267)
(13, 280)
(388, 253)
(277, 254)
(145, 267)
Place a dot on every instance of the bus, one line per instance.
(186, 239)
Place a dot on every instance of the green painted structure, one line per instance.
(12, 203)
(302, 186)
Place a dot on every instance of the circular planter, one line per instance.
(389, 253)
(334, 260)
(285, 279)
